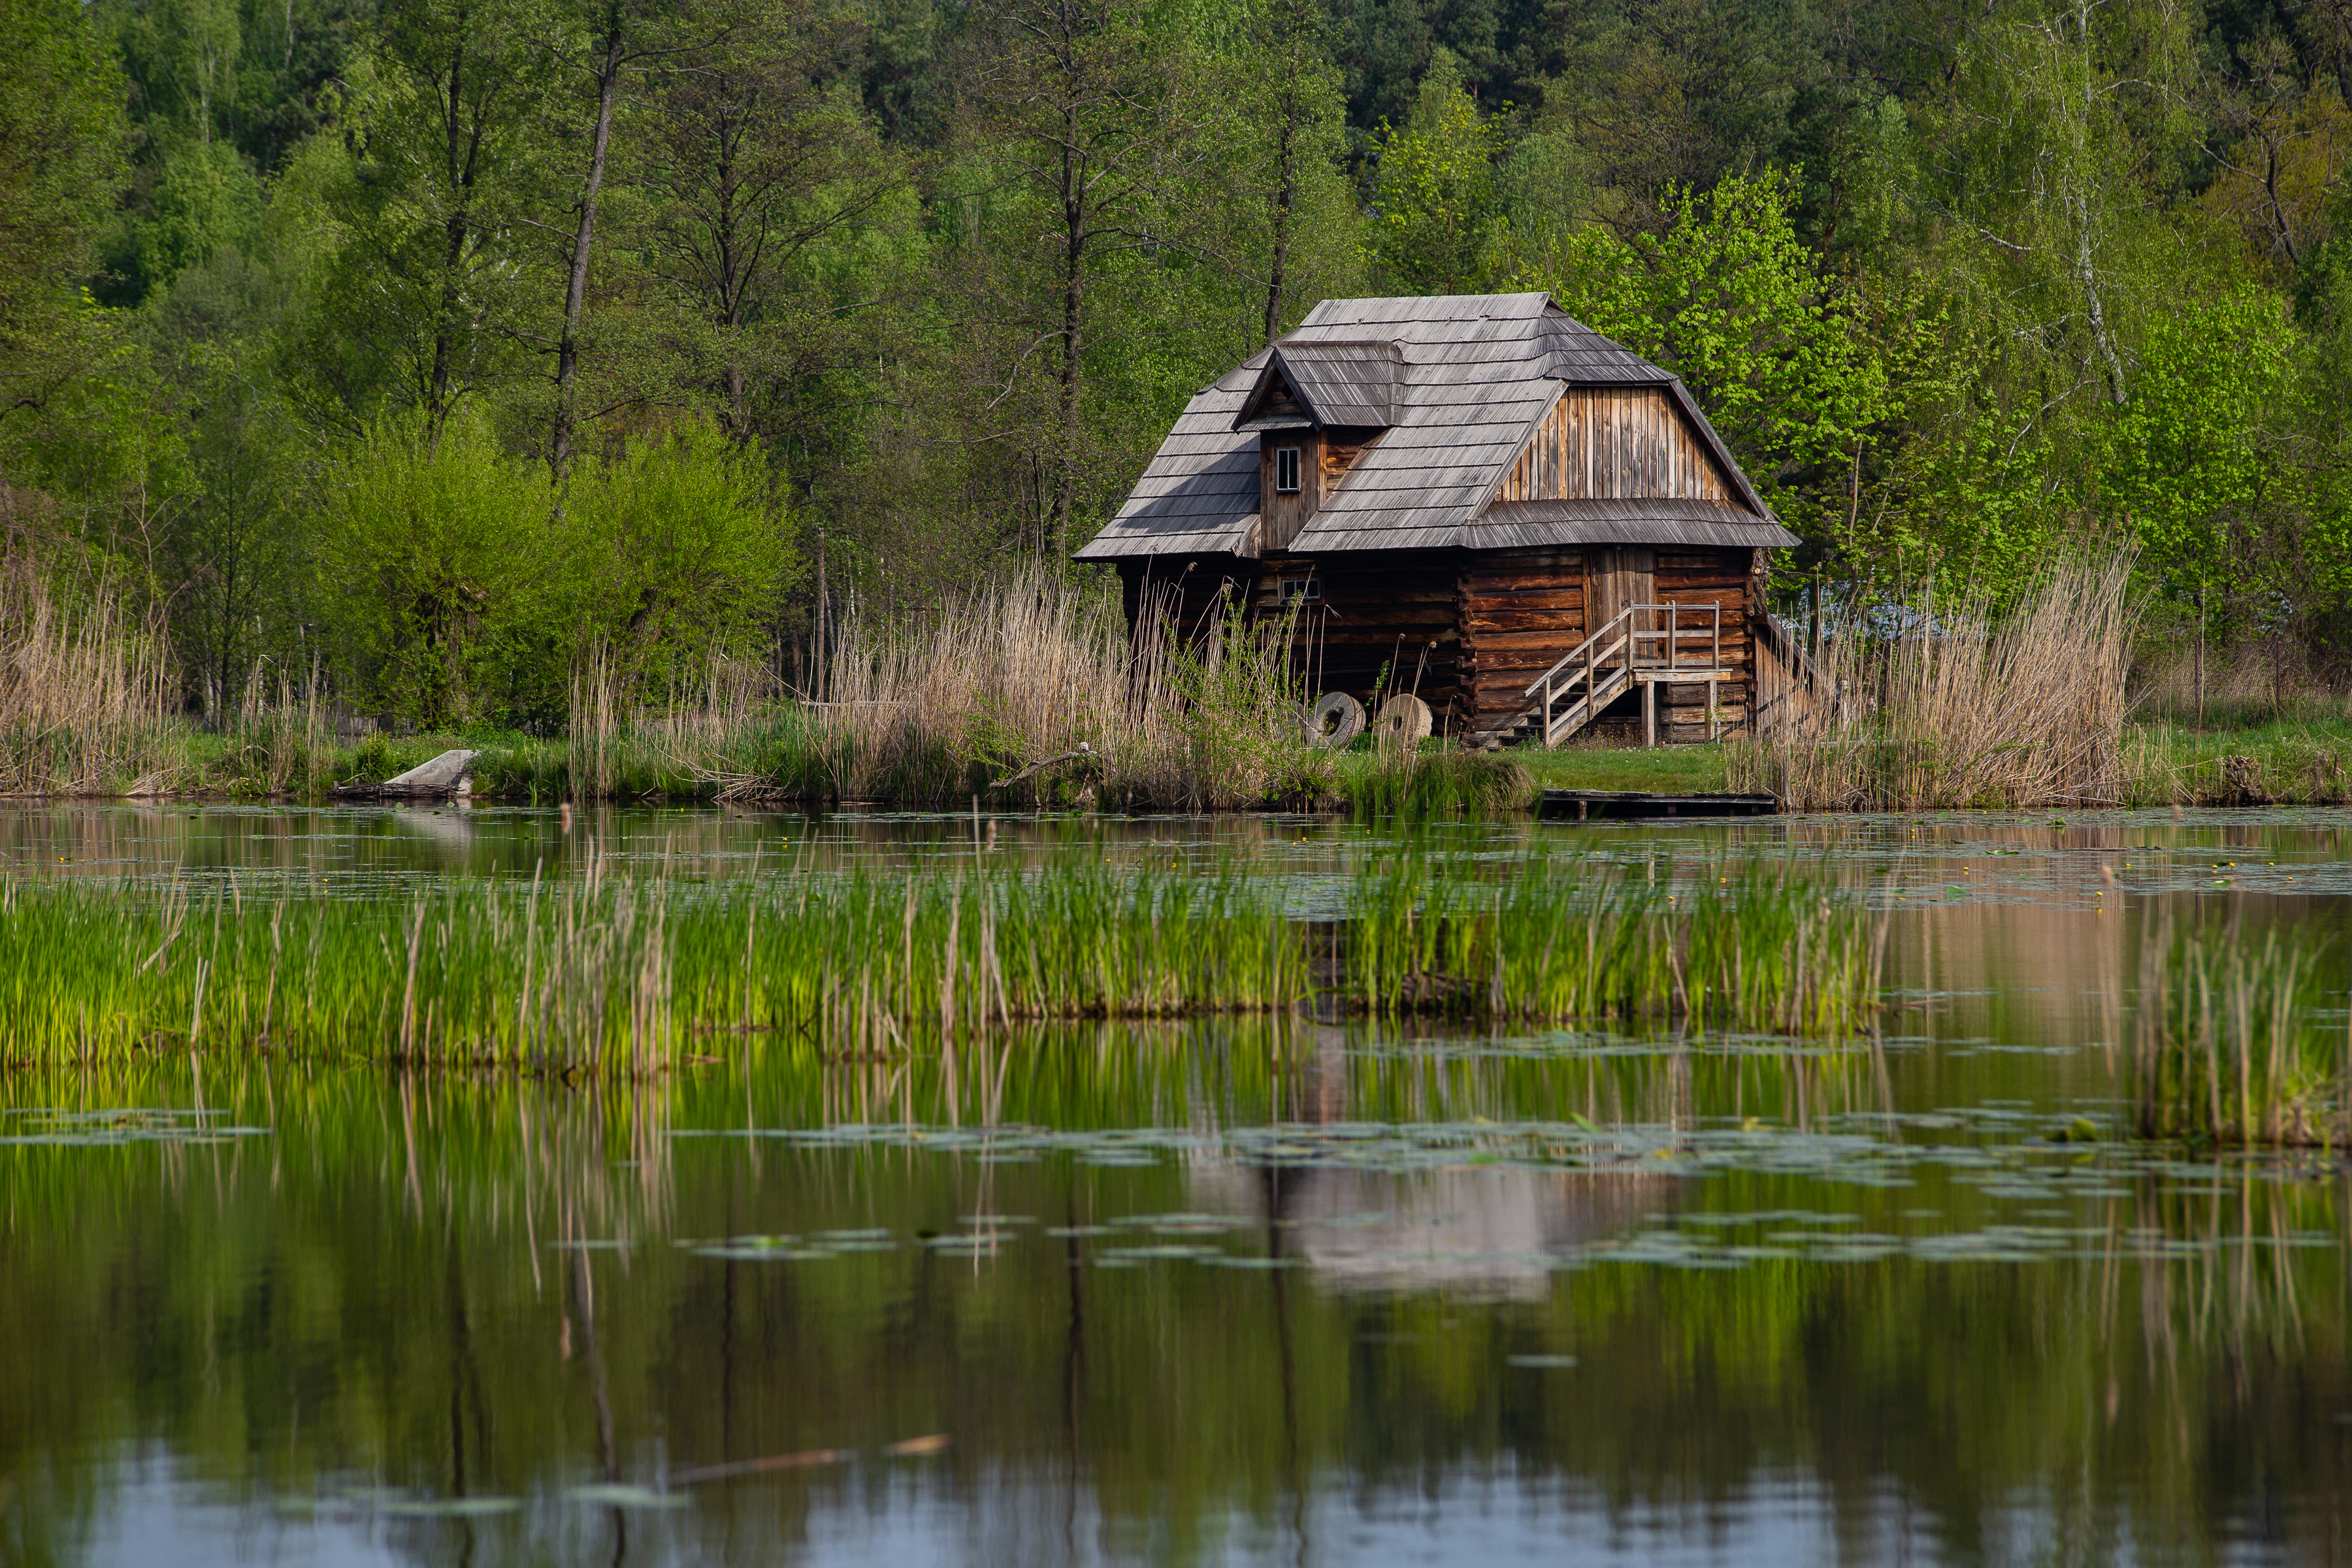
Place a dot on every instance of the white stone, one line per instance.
(444, 774)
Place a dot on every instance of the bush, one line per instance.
(454, 593)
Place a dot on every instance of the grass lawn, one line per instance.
(1662, 770)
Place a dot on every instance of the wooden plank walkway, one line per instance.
(1625, 805)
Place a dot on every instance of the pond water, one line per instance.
(1236, 1291)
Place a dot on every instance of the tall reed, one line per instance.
(1962, 703)
(2229, 1047)
(606, 975)
(1034, 690)
(85, 687)
(1762, 951)
(706, 730)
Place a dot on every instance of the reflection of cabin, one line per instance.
(1472, 498)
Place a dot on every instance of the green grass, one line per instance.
(2295, 762)
(2233, 1046)
(1438, 780)
(1662, 770)
(610, 976)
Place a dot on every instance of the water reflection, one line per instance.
(1250, 1290)
(1262, 1291)
(2004, 859)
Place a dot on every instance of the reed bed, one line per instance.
(1030, 692)
(1756, 949)
(1436, 780)
(1035, 691)
(85, 688)
(1962, 704)
(614, 975)
(2231, 1047)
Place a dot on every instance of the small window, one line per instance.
(1301, 591)
(1285, 470)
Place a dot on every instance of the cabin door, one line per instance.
(1618, 576)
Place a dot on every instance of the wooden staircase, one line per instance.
(1647, 646)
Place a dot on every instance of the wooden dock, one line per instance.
(1631, 804)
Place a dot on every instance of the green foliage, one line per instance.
(1729, 298)
(454, 593)
(205, 199)
(684, 558)
(61, 131)
(441, 578)
(2199, 452)
(1438, 225)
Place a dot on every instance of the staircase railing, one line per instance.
(1607, 650)
(1638, 639)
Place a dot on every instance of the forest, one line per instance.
(420, 349)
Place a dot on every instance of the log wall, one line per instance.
(1521, 611)
(1701, 577)
(1469, 630)
(1377, 622)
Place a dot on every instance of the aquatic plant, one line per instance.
(611, 974)
(2230, 1045)
(1436, 780)
(1565, 941)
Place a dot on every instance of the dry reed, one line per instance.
(1039, 682)
(1962, 704)
(85, 688)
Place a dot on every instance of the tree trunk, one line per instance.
(2200, 655)
(731, 286)
(1074, 281)
(458, 174)
(1284, 193)
(576, 294)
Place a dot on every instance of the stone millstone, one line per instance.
(444, 774)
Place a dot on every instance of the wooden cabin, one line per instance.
(1474, 498)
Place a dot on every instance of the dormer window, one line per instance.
(1285, 470)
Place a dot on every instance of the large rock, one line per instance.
(448, 774)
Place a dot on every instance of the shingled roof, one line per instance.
(1472, 373)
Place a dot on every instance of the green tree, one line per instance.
(61, 164)
(228, 553)
(1091, 114)
(1299, 113)
(759, 183)
(1772, 347)
(690, 558)
(204, 199)
(2200, 463)
(440, 578)
(1438, 225)
(428, 284)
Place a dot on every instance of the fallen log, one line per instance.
(1084, 753)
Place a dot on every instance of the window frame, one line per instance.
(1293, 455)
(1299, 590)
